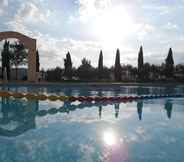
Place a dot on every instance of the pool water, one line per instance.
(46, 131)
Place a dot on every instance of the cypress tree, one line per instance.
(3, 58)
(5, 55)
(100, 65)
(117, 68)
(68, 66)
(169, 64)
(140, 63)
(37, 62)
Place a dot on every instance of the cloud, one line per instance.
(140, 130)
(171, 26)
(162, 10)
(143, 30)
(52, 50)
(4, 2)
(92, 8)
(3, 5)
(147, 31)
(80, 36)
(29, 12)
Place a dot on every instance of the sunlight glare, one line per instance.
(109, 138)
(113, 26)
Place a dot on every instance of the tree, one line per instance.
(169, 64)
(100, 65)
(140, 64)
(68, 66)
(54, 74)
(5, 59)
(85, 70)
(129, 73)
(179, 72)
(155, 71)
(117, 68)
(106, 73)
(146, 71)
(18, 56)
(37, 62)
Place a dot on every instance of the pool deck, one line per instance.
(156, 84)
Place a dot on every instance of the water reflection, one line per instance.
(91, 90)
(139, 109)
(100, 111)
(168, 107)
(116, 107)
(109, 137)
(18, 116)
(115, 148)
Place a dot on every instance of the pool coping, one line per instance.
(90, 84)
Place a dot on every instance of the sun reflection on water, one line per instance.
(115, 149)
(109, 138)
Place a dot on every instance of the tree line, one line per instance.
(144, 72)
(14, 55)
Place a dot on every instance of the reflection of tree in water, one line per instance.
(19, 112)
(139, 91)
(116, 107)
(67, 106)
(168, 107)
(139, 109)
(100, 106)
(100, 111)
(24, 112)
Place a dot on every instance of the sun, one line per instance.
(113, 26)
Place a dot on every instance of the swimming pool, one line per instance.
(46, 131)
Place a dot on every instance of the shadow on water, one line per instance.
(18, 116)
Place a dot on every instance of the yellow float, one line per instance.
(41, 97)
(5, 94)
(30, 96)
(63, 98)
(52, 98)
(17, 95)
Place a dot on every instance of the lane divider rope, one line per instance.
(42, 97)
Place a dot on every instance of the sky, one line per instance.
(84, 27)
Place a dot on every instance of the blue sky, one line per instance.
(84, 27)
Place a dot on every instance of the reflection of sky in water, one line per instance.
(143, 131)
